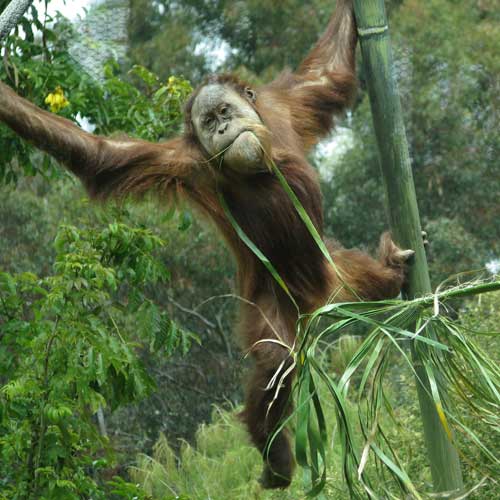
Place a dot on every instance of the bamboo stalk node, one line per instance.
(373, 30)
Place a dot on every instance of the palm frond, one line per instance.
(395, 327)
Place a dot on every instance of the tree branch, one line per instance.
(12, 14)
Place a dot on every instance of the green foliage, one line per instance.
(26, 233)
(67, 350)
(453, 248)
(481, 316)
(200, 267)
(257, 38)
(222, 463)
(260, 40)
(451, 110)
(164, 37)
(257, 43)
(150, 114)
(149, 109)
(442, 346)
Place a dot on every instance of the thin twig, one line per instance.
(192, 312)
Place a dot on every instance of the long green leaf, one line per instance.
(249, 243)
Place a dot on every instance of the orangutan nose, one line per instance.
(223, 128)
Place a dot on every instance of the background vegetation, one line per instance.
(99, 306)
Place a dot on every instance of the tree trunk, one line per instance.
(403, 213)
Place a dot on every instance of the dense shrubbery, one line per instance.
(68, 350)
(199, 267)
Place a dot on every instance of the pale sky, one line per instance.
(69, 8)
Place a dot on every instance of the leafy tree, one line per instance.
(451, 106)
(164, 38)
(264, 36)
(200, 269)
(254, 35)
(98, 299)
(67, 349)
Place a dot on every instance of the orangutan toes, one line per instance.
(271, 481)
(279, 463)
(401, 257)
(391, 255)
(425, 239)
(276, 476)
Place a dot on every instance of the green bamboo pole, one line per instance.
(403, 212)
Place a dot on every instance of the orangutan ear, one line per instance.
(250, 94)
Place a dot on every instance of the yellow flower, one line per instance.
(56, 100)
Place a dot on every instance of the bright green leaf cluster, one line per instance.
(67, 350)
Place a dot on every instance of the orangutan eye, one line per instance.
(209, 121)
